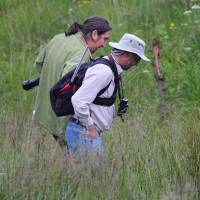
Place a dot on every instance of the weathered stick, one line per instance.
(160, 79)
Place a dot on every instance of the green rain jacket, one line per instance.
(59, 56)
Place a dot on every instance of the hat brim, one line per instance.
(117, 46)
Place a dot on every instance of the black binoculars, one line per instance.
(29, 84)
(123, 106)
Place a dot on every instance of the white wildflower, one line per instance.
(197, 21)
(183, 24)
(187, 48)
(187, 12)
(195, 7)
(145, 71)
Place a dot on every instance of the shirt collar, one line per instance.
(82, 40)
(119, 69)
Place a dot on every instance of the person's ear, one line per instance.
(127, 54)
(94, 35)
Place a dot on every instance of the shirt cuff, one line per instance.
(86, 122)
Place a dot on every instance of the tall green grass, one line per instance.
(145, 157)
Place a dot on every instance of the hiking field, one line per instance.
(154, 154)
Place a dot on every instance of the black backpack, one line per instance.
(63, 90)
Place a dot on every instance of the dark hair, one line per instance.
(92, 23)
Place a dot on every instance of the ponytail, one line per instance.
(92, 23)
(73, 29)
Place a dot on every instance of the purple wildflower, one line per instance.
(191, 36)
(41, 46)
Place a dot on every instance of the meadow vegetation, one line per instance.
(146, 156)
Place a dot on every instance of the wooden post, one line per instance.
(159, 76)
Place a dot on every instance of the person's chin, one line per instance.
(125, 68)
(95, 50)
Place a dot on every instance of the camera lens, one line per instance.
(25, 85)
(29, 84)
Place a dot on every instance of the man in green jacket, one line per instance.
(59, 56)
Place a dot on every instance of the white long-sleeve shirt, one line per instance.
(96, 78)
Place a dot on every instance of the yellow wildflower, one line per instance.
(172, 24)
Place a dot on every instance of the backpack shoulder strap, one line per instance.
(117, 79)
(107, 101)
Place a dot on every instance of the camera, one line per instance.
(123, 106)
(29, 84)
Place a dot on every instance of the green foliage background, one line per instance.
(145, 157)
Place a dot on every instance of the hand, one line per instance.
(91, 131)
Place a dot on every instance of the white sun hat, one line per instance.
(132, 44)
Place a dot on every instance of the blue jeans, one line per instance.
(79, 143)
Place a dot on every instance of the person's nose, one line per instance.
(104, 44)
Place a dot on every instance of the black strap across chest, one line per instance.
(111, 100)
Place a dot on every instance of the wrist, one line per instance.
(90, 128)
